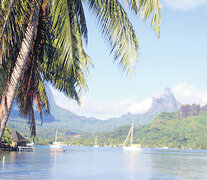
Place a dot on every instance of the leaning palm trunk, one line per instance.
(12, 83)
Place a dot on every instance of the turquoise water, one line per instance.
(88, 163)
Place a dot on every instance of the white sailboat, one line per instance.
(96, 145)
(56, 145)
(131, 146)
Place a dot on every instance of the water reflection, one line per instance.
(104, 163)
(182, 165)
(13, 165)
(25, 165)
(132, 163)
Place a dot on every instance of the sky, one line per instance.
(178, 60)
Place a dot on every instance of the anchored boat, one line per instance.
(96, 145)
(56, 146)
(131, 146)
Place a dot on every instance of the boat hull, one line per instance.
(30, 144)
(132, 148)
(57, 150)
(26, 149)
(55, 146)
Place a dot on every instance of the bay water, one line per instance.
(104, 163)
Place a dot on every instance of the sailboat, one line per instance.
(56, 146)
(96, 145)
(131, 146)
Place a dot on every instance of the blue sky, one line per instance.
(177, 60)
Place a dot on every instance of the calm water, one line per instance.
(88, 163)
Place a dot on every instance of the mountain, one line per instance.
(65, 120)
(163, 101)
(166, 130)
(190, 110)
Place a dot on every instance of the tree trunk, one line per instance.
(12, 83)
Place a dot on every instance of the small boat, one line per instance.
(96, 145)
(30, 144)
(57, 150)
(25, 149)
(131, 147)
(56, 146)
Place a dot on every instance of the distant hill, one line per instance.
(190, 110)
(166, 130)
(65, 120)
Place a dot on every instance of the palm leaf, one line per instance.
(118, 30)
(148, 8)
(13, 22)
(69, 26)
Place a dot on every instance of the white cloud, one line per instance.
(139, 107)
(188, 94)
(101, 110)
(184, 4)
(184, 92)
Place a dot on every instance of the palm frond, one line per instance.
(13, 22)
(81, 18)
(42, 97)
(148, 8)
(70, 27)
(118, 31)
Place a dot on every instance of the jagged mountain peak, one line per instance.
(162, 94)
(164, 101)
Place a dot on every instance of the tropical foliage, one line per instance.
(56, 53)
(166, 130)
(7, 137)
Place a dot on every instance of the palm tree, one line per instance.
(51, 69)
(23, 33)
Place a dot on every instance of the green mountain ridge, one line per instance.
(166, 130)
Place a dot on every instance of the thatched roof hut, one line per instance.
(18, 139)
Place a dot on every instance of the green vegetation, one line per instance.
(168, 131)
(165, 131)
(7, 138)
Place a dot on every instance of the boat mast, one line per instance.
(132, 129)
(56, 136)
(128, 136)
(96, 140)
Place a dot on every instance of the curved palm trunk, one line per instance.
(12, 84)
